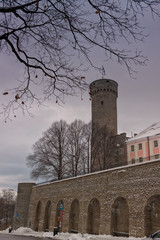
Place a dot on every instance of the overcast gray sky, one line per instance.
(138, 107)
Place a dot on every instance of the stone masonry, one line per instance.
(123, 200)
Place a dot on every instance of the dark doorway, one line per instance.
(152, 215)
(37, 216)
(47, 215)
(74, 216)
(93, 217)
(120, 218)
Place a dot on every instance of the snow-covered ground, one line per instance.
(64, 236)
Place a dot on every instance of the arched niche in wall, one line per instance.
(93, 217)
(74, 216)
(47, 216)
(59, 215)
(120, 218)
(37, 216)
(152, 215)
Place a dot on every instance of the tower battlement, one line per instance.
(105, 85)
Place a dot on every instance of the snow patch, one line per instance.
(63, 236)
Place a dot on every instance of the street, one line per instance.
(17, 237)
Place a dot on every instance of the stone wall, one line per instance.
(116, 201)
(22, 204)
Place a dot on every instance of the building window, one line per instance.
(132, 148)
(101, 102)
(156, 156)
(155, 143)
(140, 146)
(140, 159)
(133, 161)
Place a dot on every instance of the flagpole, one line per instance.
(103, 72)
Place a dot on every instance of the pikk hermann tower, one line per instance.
(104, 93)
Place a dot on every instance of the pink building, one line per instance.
(145, 146)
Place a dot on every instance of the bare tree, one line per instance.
(87, 148)
(78, 148)
(49, 153)
(63, 151)
(53, 41)
(103, 149)
(7, 205)
(108, 150)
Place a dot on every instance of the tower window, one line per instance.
(101, 102)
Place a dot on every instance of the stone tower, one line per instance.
(22, 205)
(104, 93)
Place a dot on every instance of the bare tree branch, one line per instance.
(63, 151)
(53, 41)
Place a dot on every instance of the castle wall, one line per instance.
(113, 197)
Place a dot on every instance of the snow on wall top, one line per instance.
(152, 130)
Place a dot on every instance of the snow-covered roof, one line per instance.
(152, 130)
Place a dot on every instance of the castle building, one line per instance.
(144, 146)
(121, 201)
